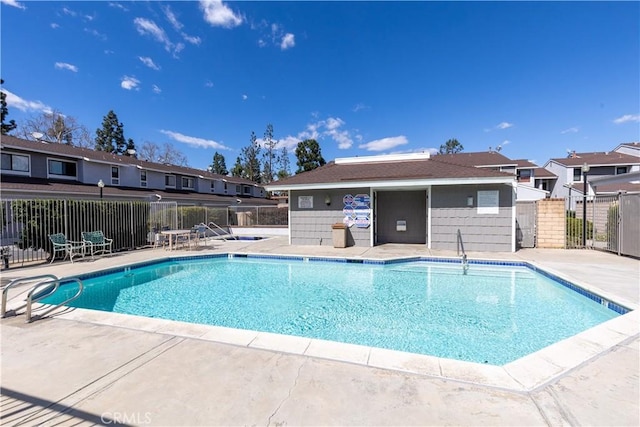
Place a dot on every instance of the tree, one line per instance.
(130, 149)
(270, 157)
(238, 170)
(248, 163)
(308, 155)
(219, 166)
(452, 146)
(111, 137)
(283, 161)
(56, 128)
(167, 154)
(11, 124)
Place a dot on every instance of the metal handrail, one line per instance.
(16, 282)
(226, 232)
(460, 245)
(56, 286)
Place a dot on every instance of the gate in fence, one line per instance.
(526, 217)
(610, 223)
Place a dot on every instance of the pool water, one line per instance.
(491, 314)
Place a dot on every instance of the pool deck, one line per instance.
(82, 367)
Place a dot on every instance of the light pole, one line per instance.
(101, 186)
(585, 171)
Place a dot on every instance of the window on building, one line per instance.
(213, 186)
(170, 181)
(246, 190)
(621, 170)
(115, 175)
(15, 163)
(61, 168)
(225, 187)
(577, 174)
(238, 189)
(524, 175)
(143, 178)
(188, 183)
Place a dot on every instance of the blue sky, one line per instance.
(362, 78)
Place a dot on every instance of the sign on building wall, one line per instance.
(357, 210)
(305, 202)
(488, 202)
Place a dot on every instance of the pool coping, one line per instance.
(524, 374)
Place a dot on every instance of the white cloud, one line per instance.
(118, 6)
(332, 128)
(385, 143)
(108, 52)
(500, 126)
(149, 62)
(191, 39)
(333, 124)
(627, 118)
(360, 106)
(208, 83)
(15, 101)
(156, 89)
(96, 34)
(129, 82)
(194, 141)
(288, 41)
(570, 130)
(245, 97)
(171, 17)
(68, 11)
(148, 27)
(219, 15)
(13, 3)
(54, 25)
(65, 66)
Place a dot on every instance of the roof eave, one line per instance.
(392, 183)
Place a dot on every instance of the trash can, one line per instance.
(339, 235)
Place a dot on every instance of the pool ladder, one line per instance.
(42, 287)
(463, 259)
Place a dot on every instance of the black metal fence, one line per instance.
(27, 224)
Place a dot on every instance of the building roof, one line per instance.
(21, 186)
(605, 158)
(87, 154)
(479, 159)
(542, 173)
(388, 173)
(627, 187)
(631, 144)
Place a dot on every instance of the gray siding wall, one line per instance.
(313, 226)
(410, 206)
(480, 232)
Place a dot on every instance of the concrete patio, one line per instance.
(84, 367)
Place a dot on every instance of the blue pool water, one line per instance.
(492, 314)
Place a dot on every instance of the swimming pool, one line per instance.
(493, 314)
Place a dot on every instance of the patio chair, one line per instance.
(157, 240)
(97, 243)
(70, 248)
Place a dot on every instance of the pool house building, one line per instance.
(405, 198)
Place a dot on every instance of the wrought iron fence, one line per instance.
(27, 224)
